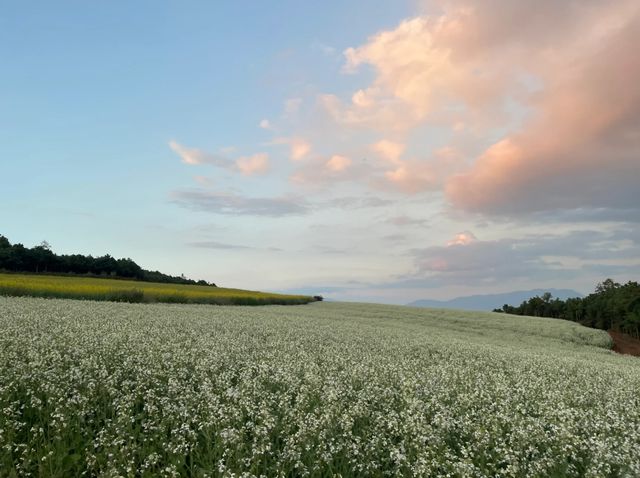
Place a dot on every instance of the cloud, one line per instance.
(228, 149)
(226, 246)
(324, 249)
(217, 245)
(235, 204)
(292, 106)
(416, 175)
(588, 215)
(389, 150)
(203, 180)
(462, 239)
(407, 69)
(386, 171)
(469, 57)
(555, 83)
(196, 156)
(229, 203)
(366, 110)
(467, 260)
(323, 48)
(246, 165)
(412, 177)
(407, 221)
(516, 114)
(468, 264)
(321, 172)
(581, 149)
(299, 147)
(265, 124)
(338, 163)
(396, 237)
(358, 202)
(255, 164)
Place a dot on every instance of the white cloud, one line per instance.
(196, 156)
(203, 180)
(292, 105)
(265, 124)
(235, 204)
(323, 48)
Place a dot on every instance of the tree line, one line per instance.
(42, 260)
(612, 306)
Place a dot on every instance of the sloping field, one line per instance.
(328, 389)
(32, 285)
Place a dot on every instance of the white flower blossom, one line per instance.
(108, 389)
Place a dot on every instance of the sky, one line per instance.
(382, 151)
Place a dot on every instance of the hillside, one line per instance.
(118, 290)
(489, 302)
(612, 306)
(108, 389)
(41, 259)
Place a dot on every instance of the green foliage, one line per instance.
(125, 295)
(329, 389)
(41, 259)
(611, 306)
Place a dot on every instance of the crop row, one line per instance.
(116, 290)
(105, 389)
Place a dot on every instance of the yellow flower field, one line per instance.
(91, 288)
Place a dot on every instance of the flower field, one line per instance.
(74, 287)
(328, 389)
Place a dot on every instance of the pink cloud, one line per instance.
(338, 163)
(581, 147)
(195, 156)
(255, 164)
(320, 172)
(415, 175)
(389, 150)
(299, 147)
(419, 76)
(246, 165)
(559, 77)
(411, 177)
(462, 239)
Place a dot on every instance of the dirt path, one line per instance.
(625, 344)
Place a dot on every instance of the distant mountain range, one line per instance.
(493, 301)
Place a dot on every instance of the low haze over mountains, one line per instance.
(493, 301)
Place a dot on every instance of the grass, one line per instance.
(116, 290)
(329, 389)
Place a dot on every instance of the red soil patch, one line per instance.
(625, 344)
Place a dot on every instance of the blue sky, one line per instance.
(365, 150)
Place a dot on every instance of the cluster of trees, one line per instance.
(41, 259)
(611, 306)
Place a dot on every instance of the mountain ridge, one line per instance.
(493, 301)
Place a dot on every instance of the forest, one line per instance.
(41, 259)
(612, 306)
